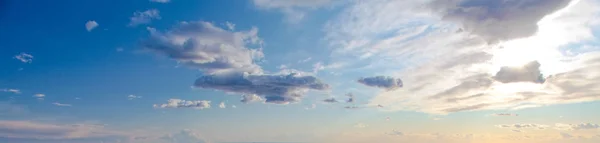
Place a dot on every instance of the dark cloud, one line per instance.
(279, 89)
(209, 48)
(178, 103)
(350, 98)
(381, 82)
(530, 72)
(330, 100)
(497, 20)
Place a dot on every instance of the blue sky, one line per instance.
(183, 71)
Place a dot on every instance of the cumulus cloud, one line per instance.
(381, 82)
(62, 104)
(330, 100)
(39, 96)
(178, 103)
(582, 126)
(144, 17)
(15, 91)
(530, 72)
(131, 97)
(209, 48)
(222, 105)
(91, 25)
(247, 98)
(24, 57)
(498, 20)
(38, 130)
(278, 89)
(161, 1)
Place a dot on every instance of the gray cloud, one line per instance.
(209, 48)
(144, 17)
(178, 103)
(279, 89)
(530, 72)
(581, 126)
(247, 98)
(505, 114)
(350, 98)
(330, 100)
(381, 82)
(498, 20)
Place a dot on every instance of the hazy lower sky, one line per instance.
(323, 71)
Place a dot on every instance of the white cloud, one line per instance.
(39, 96)
(230, 25)
(144, 17)
(222, 105)
(91, 25)
(247, 98)
(161, 1)
(305, 60)
(61, 104)
(360, 125)
(24, 57)
(505, 114)
(131, 97)
(185, 136)
(395, 133)
(15, 91)
(582, 126)
(178, 103)
(445, 70)
(523, 126)
(233, 106)
(295, 10)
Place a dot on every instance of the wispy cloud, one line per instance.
(293, 10)
(24, 57)
(222, 105)
(39, 96)
(38, 130)
(15, 91)
(582, 126)
(144, 17)
(161, 1)
(360, 125)
(61, 104)
(330, 100)
(132, 97)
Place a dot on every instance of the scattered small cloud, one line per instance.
(131, 97)
(350, 98)
(312, 106)
(91, 25)
(248, 98)
(161, 1)
(387, 118)
(61, 104)
(505, 114)
(437, 118)
(305, 60)
(523, 126)
(582, 126)
(39, 96)
(518, 131)
(24, 57)
(352, 107)
(330, 100)
(566, 135)
(395, 133)
(222, 105)
(15, 91)
(144, 17)
(360, 125)
(230, 25)
(233, 106)
(381, 82)
(178, 103)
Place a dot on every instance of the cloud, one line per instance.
(523, 126)
(230, 25)
(178, 103)
(388, 83)
(582, 126)
(38, 130)
(247, 98)
(305, 60)
(61, 104)
(498, 20)
(185, 136)
(566, 135)
(360, 125)
(24, 57)
(528, 73)
(222, 105)
(395, 133)
(518, 131)
(295, 10)
(330, 100)
(39, 96)
(278, 89)
(91, 25)
(350, 98)
(161, 1)
(505, 114)
(209, 48)
(312, 106)
(131, 97)
(144, 17)
(15, 91)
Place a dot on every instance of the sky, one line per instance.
(318, 71)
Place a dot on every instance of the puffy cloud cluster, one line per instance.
(278, 89)
(498, 20)
(530, 72)
(247, 98)
(178, 103)
(381, 82)
(91, 25)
